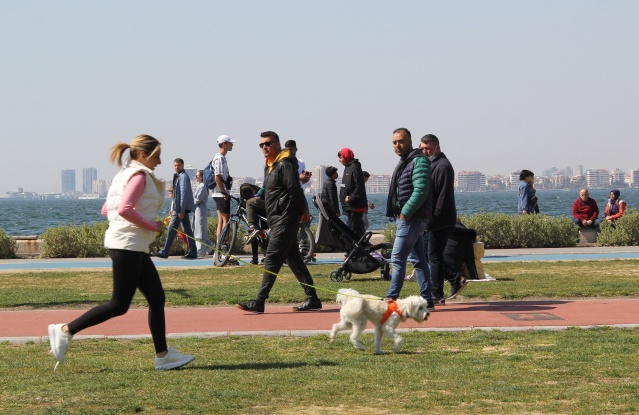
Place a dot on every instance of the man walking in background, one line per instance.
(444, 217)
(183, 204)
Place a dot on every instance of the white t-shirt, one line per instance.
(220, 168)
(301, 166)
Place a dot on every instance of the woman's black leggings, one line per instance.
(131, 270)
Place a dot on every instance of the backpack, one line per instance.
(208, 176)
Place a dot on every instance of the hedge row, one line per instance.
(496, 230)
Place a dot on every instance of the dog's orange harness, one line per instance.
(392, 308)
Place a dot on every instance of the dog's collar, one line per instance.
(392, 308)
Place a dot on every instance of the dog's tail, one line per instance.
(346, 294)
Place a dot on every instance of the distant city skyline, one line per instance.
(505, 85)
(464, 180)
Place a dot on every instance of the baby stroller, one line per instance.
(361, 256)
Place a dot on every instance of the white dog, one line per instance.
(357, 309)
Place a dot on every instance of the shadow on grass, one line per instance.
(263, 366)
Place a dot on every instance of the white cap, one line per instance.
(224, 139)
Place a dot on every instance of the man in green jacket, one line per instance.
(409, 204)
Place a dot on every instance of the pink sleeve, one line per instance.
(132, 192)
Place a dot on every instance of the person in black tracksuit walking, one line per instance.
(352, 192)
(286, 207)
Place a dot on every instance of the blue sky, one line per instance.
(505, 85)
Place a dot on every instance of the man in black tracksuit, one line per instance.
(352, 192)
(286, 207)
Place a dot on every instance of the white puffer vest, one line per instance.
(121, 233)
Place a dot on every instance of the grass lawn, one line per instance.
(224, 286)
(575, 371)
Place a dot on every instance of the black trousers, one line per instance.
(283, 246)
(131, 271)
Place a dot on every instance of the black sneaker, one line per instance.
(252, 306)
(159, 255)
(456, 289)
(309, 305)
(439, 300)
(430, 306)
(254, 261)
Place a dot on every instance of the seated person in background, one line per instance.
(615, 207)
(459, 250)
(585, 210)
(248, 195)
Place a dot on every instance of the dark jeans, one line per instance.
(188, 231)
(131, 270)
(283, 245)
(437, 240)
(356, 223)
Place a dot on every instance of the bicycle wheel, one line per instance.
(307, 245)
(225, 244)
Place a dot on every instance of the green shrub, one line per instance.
(500, 230)
(8, 245)
(625, 231)
(73, 241)
(389, 232)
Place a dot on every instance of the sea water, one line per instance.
(33, 217)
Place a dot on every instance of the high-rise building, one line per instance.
(318, 180)
(89, 175)
(470, 181)
(634, 177)
(617, 177)
(68, 182)
(514, 180)
(101, 187)
(377, 183)
(578, 170)
(598, 178)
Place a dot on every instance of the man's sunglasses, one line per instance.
(267, 143)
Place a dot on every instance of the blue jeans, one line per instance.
(409, 241)
(186, 227)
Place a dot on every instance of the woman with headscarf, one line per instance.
(615, 207)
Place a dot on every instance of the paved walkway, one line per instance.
(21, 325)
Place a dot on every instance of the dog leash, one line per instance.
(214, 248)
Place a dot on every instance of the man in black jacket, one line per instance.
(444, 217)
(286, 207)
(352, 192)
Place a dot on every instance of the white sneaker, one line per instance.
(59, 342)
(172, 360)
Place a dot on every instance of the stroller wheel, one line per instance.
(347, 276)
(336, 276)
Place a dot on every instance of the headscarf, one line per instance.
(617, 193)
(347, 154)
(614, 203)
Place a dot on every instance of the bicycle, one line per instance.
(226, 243)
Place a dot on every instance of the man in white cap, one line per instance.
(223, 182)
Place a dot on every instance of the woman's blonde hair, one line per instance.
(140, 143)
